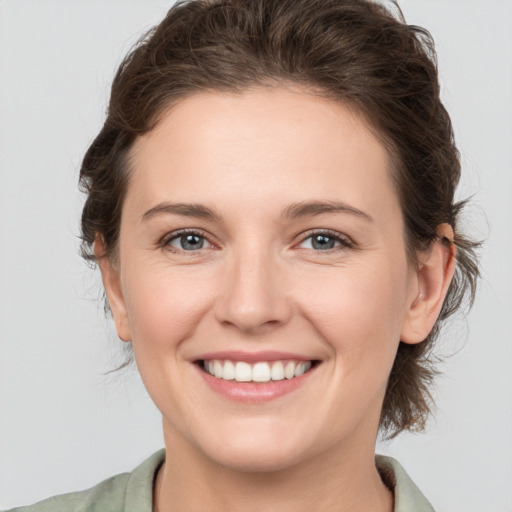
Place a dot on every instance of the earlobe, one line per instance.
(433, 277)
(112, 283)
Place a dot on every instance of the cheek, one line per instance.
(358, 311)
(164, 305)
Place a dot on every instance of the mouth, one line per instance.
(256, 372)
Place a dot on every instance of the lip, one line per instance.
(253, 392)
(252, 357)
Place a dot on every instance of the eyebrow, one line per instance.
(311, 208)
(292, 211)
(186, 209)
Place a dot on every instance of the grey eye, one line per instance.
(323, 241)
(320, 242)
(188, 242)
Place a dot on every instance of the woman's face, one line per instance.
(262, 231)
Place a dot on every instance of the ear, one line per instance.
(112, 283)
(432, 279)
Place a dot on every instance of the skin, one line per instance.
(258, 283)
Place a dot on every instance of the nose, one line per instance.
(253, 297)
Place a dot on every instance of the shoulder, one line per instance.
(108, 493)
(408, 497)
(126, 492)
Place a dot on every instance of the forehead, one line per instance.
(262, 145)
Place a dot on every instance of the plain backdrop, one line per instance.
(64, 424)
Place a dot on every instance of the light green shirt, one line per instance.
(133, 492)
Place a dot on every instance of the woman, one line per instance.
(271, 205)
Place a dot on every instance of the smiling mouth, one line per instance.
(241, 371)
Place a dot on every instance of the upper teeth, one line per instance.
(257, 372)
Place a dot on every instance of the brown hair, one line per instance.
(353, 51)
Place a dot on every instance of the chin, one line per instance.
(257, 453)
(255, 460)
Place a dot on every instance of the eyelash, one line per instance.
(166, 241)
(343, 240)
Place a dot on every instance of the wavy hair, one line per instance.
(357, 52)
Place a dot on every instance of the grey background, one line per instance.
(64, 425)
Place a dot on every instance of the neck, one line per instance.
(342, 479)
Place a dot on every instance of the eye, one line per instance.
(325, 241)
(187, 241)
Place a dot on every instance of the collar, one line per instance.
(408, 498)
